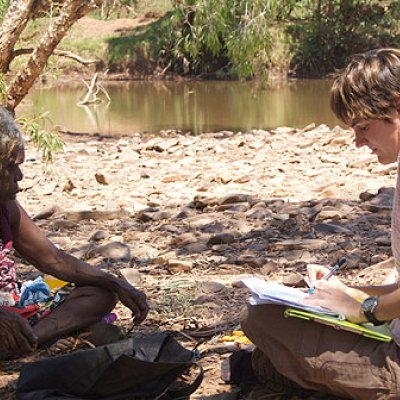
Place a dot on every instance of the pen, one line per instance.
(331, 272)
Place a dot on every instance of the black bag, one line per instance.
(145, 366)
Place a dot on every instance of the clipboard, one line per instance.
(381, 332)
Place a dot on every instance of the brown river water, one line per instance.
(205, 106)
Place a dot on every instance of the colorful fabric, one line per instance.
(36, 300)
(8, 281)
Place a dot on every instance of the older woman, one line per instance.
(299, 354)
(95, 293)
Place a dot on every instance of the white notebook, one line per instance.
(274, 293)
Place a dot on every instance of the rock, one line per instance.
(381, 210)
(185, 213)
(384, 169)
(100, 178)
(68, 187)
(296, 280)
(378, 273)
(236, 198)
(161, 215)
(198, 247)
(138, 206)
(330, 228)
(160, 144)
(210, 287)
(383, 241)
(61, 242)
(176, 266)
(283, 130)
(363, 163)
(78, 216)
(365, 196)
(259, 213)
(152, 214)
(115, 251)
(341, 140)
(222, 238)
(389, 191)
(132, 275)
(212, 227)
(99, 235)
(309, 127)
(173, 178)
(326, 213)
(183, 239)
(269, 267)
(297, 244)
(243, 179)
(61, 224)
(46, 212)
(234, 207)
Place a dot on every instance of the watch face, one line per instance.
(369, 304)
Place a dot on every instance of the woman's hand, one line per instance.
(134, 299)
(317, 272)
(328, 295)
(16, 335)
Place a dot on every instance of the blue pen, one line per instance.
(331, 272)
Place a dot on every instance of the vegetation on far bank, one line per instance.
(231, 39)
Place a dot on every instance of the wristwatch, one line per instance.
(368, 307)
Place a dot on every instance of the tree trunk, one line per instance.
(14, 23)
(69, 13)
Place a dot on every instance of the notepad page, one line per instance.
(264, 292)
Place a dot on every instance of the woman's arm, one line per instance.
(34, 246)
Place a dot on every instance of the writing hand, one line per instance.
(16, 335)
(333, 298)
(316, 272)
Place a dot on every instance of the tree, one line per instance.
(231, 37)
(18, 14)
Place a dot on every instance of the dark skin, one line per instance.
(95, 295)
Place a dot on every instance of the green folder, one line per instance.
(381, 332)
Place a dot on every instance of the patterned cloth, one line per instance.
(9, 286)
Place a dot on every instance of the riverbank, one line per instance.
(186, 217)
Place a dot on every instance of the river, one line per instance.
(205, 106)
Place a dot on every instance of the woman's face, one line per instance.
(10, 175)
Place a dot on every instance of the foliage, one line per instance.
(143, 47)
(49, 142)
(325, 32)
(3, 8)
(223, 37)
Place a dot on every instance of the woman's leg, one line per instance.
(321, 358)
(83, 307)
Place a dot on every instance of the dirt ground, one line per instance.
(186, 217)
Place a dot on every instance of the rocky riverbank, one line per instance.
(185, 217)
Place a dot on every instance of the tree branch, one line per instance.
(60, 53)
(70, 12)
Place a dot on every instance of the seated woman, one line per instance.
(296, 354)
(95, 293)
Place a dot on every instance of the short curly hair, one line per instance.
(368, 87)
(10, 136)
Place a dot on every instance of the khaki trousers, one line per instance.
(321, 358)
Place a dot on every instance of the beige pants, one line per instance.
(325, 359)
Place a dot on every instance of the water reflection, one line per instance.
(190, 106)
